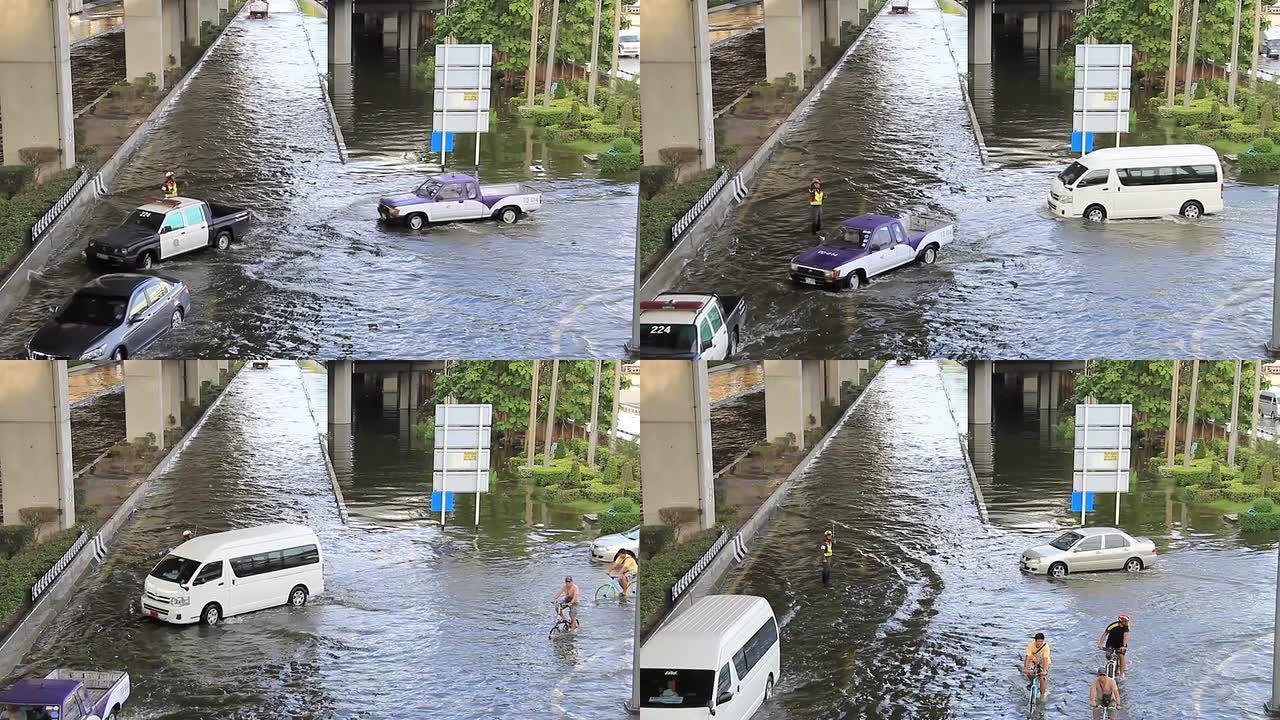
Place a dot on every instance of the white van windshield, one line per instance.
(676, 688)
(175, 569)
(1072, 173)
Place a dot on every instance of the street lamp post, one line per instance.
(1273, 347)
(1273, 705)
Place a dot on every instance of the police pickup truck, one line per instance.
(454, 197)
(868, 245)
(688, 326)
(165, 228)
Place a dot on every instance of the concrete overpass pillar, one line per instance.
(814, 391)
(833, 18)
(676, 427)
(814, 31)
(848, 11)
(1042, 392)
(390, 30)
(1055, 30)
(191, 380)
(1042, 31)
(979, 18)
(340, 391)
(784, 400)
(175, 391)
(207, 372)
(340, 32)
(415, 30)
(35, 79)
(147, 42)
(146, 406)
(676, 65)
(784, 40)
(407, 390)
(390, 390)
(1055, 389)
(35, 438)
(980, 391)
(402, 31)
(831, 381)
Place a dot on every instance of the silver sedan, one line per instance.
(1088, 550)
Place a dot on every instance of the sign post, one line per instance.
(462, 448)
(1103, 434)
(1102, 102)
(461, 98)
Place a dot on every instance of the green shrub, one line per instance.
(574, 478)
(615, 163)
(1266, 120)
(654, 539)
(627, 475)
(1218, 447)
(1252, 471)
(1263, 145)
(560, 451)
(623, 505)
(1262, 522)
(610, 475)
(13, 178)
(627, 117)
(620, 522)
(1201, 91)
(560, 92)
(1214, 480)
(1268, 475)
(1252, 111)
(13, 538)
(622, 145)
(601, 133)
(1251, 163)
(1201, 451)
(1185, 476)
(612, 110)
(574, 119)
(1239, 132)
(1263, 505)
(544, 476)
(1241, 493)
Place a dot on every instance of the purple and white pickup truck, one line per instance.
(868, 245)
(455, 197)
(83, 694)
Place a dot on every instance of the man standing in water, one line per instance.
(815, 205)
(828, 548)
(570, 594)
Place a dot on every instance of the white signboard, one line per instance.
(454, 459)
(1104, 416)
(460, 121)
(1109, 482)
(460, 481)
(471, 100)
(459, 437)
(1100, 436)
(462, 78)
(472, 56)
(1104, 55)
(1101, 459)
(461, 459)
(1101, 122)
(1104, 78)
(1102, 100)
(471, 416)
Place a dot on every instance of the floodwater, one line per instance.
(927, 612)
(317, 275)
(890, 134)
(97, 413)
(414, 622)
(737, 424)
(97, 63)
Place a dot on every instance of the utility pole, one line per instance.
(1273, 347)
(551, 414)
(1273, 705)
(617, 28)
(531, 81)
(1235, 58)
(595, 57)
(1172, 440)
(1171, 86)
(1191, 412)
(595, 410)
(532, 440)
(1257, 35)
(617, 387)
(1235, 415)
(1257, 392)
(551, 51)
(1191, 52)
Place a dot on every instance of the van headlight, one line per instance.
(180, 601)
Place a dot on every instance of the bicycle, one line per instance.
(562, 624)
(1112, 663)
(1033, 691)
(612, 588)
(1105, 711)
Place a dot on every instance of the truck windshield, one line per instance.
(1072, 173)
(27, 712)
(676, 688)
(100, 310)
(667, 337)
(851, 238)
(175, 569)
(146, 219)
(428, 188)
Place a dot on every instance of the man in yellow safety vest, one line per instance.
(815, 205)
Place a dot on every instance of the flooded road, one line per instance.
(414, 622)
(737, 423)
(1017, 282)
(97, 63)
(97, 413)
(317, 275)
(927, 613)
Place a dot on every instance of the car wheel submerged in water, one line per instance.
(298, 596)
(211, 615)
(1058, 570)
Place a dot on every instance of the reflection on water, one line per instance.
(927, 612)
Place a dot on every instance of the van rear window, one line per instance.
(671, 688)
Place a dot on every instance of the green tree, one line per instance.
(1268, 115)
(1146, 385)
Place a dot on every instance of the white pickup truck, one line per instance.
(455, 197)
(868, 245)
(690, 326)
(258, 9)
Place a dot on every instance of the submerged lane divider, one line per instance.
(328, 101)
(964, 90)
(963, 437)
(324, 452)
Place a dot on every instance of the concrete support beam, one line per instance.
(832, 380)
(1044, 402)
(146, 406)
(415, 30)
(1055, 30)
(814, 32)
(207, 371)
(980, 392)
(784, 40)
(35, 79)
(390, 30)
(340, 391)
(979, 19)
(814, 377)
(676, 427)
(1055, 390)
(832, 18)
(175, 391)
(191, 381)
(403, 31)
(147, 39)
(676, 65)
(1042, 31)
(407, 389)
(35, 439)
(785, 412)
(340, 32)
(390, 384)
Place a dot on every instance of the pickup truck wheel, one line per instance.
(146, 260)
(416, 221)
(929, 255)
(1191, 210)
(854, 282)
(508, 216)
(223, 240)
(733, 344)
(1095, 213)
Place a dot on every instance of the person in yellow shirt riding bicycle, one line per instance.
(625, 568)
(1037, 653)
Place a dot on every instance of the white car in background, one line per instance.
(1089, 550)
(629, 43)
(606, 547)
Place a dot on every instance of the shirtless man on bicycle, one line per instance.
(569, 593)
(1103, 692)
(1037, 653)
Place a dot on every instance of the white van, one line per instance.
(214, 576)
(1269, 403)
(720, 658)
(1140, 182)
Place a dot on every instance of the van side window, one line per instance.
(211, 571)
(1167, 175)
(1095, 177)
(725, 684)
(301, 555)
(265, 562)
(760, 643)
(740, 662)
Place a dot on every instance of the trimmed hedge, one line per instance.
(22, 210)
(13, 178)
(19, 573)
(661, 570)
(654, 539)
(1262, 522)
(1252, 163)
(620, 522)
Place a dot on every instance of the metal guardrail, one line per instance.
(47, 579)
(687, 579)
(687, 219)
(47, 219)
